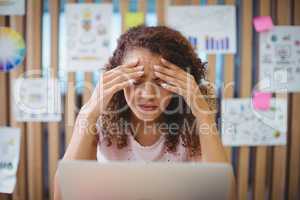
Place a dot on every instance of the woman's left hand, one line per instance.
(183, 83)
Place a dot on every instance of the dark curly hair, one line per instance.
(173, 46)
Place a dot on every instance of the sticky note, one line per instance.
(134, 19)
(263, 23)
(261, 100)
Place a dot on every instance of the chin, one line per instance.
(147, 117)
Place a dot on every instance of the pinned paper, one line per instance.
(9, 158)
(12, 49)
(36, 99)
(219, 34)
(12, 7)
(263, 23)
(88, 35)
(279, 63)
(133, 19)
(243, 125)
(261, 100)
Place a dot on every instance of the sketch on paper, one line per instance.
(87, 36)
(243, 125)
(279, 59)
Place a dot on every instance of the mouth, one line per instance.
(147, 107)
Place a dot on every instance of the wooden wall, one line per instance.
(262, 172)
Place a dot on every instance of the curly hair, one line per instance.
(173, 46)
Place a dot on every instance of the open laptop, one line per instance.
(144, 180)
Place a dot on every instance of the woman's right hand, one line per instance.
(111, 82)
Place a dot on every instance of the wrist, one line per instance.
(86, 126)
(90, 111)
(207, 125)
(199, 105)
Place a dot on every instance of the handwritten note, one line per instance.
(263, 23)
(133, 19)
(261, 100)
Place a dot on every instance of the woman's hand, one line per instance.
(183, 83)
(111, 82)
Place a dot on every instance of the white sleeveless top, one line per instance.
(134, 151)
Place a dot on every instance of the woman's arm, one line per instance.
(83, 145)
(212, 148)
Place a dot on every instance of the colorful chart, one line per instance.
(12, 49)
(219, 34)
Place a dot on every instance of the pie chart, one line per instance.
(12, 49)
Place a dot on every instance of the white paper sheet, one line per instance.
(88, 31)
(279, 59)
(12, 7)
(211, 28)
(9, 158)
(36, 100)
(243, 125)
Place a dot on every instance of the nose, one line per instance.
(148, 91)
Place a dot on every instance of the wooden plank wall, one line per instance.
(259, 186)
(294, 139)
(261, 172)
(34, 133)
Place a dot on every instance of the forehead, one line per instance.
(146, 58)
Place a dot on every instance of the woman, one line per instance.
(150, 105)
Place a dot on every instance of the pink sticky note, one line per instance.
(262, 23)
(261, 100)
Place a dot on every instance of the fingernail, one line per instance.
(156, 66)
(163, 85)
(131, 81)
(140, 73)
(141, 67)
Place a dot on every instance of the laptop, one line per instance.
(143, 180)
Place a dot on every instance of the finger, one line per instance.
(121, 85)
(169, 64)
(170, 80)
(124, 77)
(122, 71)
(130, 64)
(175, 67)
(172, 88)
(170, 72)
(124, 66)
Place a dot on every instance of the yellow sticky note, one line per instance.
(134, 19)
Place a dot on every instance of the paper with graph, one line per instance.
(88, 32)
(212, 29)
(36, 99)
(243, 125)
(279, 59)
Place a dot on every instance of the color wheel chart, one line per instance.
(12, 49)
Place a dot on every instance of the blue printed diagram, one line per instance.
(212, 43)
